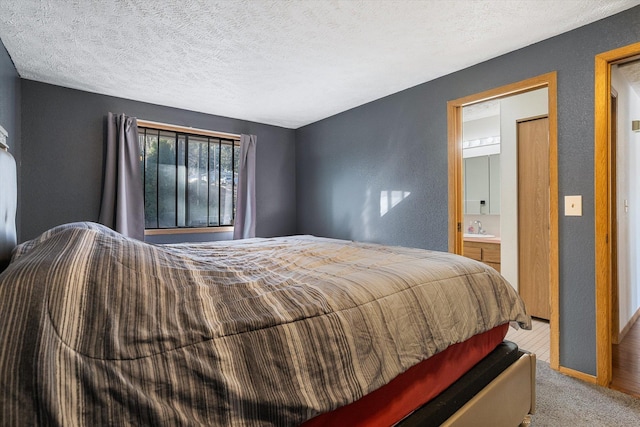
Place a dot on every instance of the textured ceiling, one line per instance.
(631, 71)
(481, 110)
(287, 63)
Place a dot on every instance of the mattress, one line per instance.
(98, 329)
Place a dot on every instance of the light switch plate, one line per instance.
(572, 205)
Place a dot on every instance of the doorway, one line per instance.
(608, 284)
(456, 205)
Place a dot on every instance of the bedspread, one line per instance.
(98, 329)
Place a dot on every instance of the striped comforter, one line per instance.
(97, 329)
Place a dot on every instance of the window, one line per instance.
(190, 179)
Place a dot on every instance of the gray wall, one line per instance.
(62, 151)
(400, 143)
(10, 110)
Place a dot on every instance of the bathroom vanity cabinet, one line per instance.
(484, 250)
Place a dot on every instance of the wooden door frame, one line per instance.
(603, 220)
(456, 209)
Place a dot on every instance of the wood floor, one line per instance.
(626, 355)
(535, 341)
(626, 362)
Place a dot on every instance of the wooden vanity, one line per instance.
(484, 249)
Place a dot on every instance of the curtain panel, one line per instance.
(244, 226)
(122, 207)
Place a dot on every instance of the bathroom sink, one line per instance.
(478, 235)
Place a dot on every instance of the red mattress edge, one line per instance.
(414, 387)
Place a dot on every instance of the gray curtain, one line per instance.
(122, 207)
(245, 221)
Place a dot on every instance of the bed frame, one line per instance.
(512, 391)
(489, 394)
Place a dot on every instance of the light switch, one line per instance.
(572, 205)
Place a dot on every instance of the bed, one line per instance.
(100, 329)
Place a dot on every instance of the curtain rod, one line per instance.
(177, 128)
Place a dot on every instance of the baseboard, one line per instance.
(577, 374)
(628, 326)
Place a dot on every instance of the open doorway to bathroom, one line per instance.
(463, 215)
(505, 150)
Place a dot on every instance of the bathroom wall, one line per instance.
(490, 223)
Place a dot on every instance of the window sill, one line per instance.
(162, 231)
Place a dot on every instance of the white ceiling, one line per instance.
(631, 71)
(481, 110)
(286, 63)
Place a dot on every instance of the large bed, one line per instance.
(100, 329)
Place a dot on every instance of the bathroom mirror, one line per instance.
(482, 185)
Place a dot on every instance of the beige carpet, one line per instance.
(565, 401)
